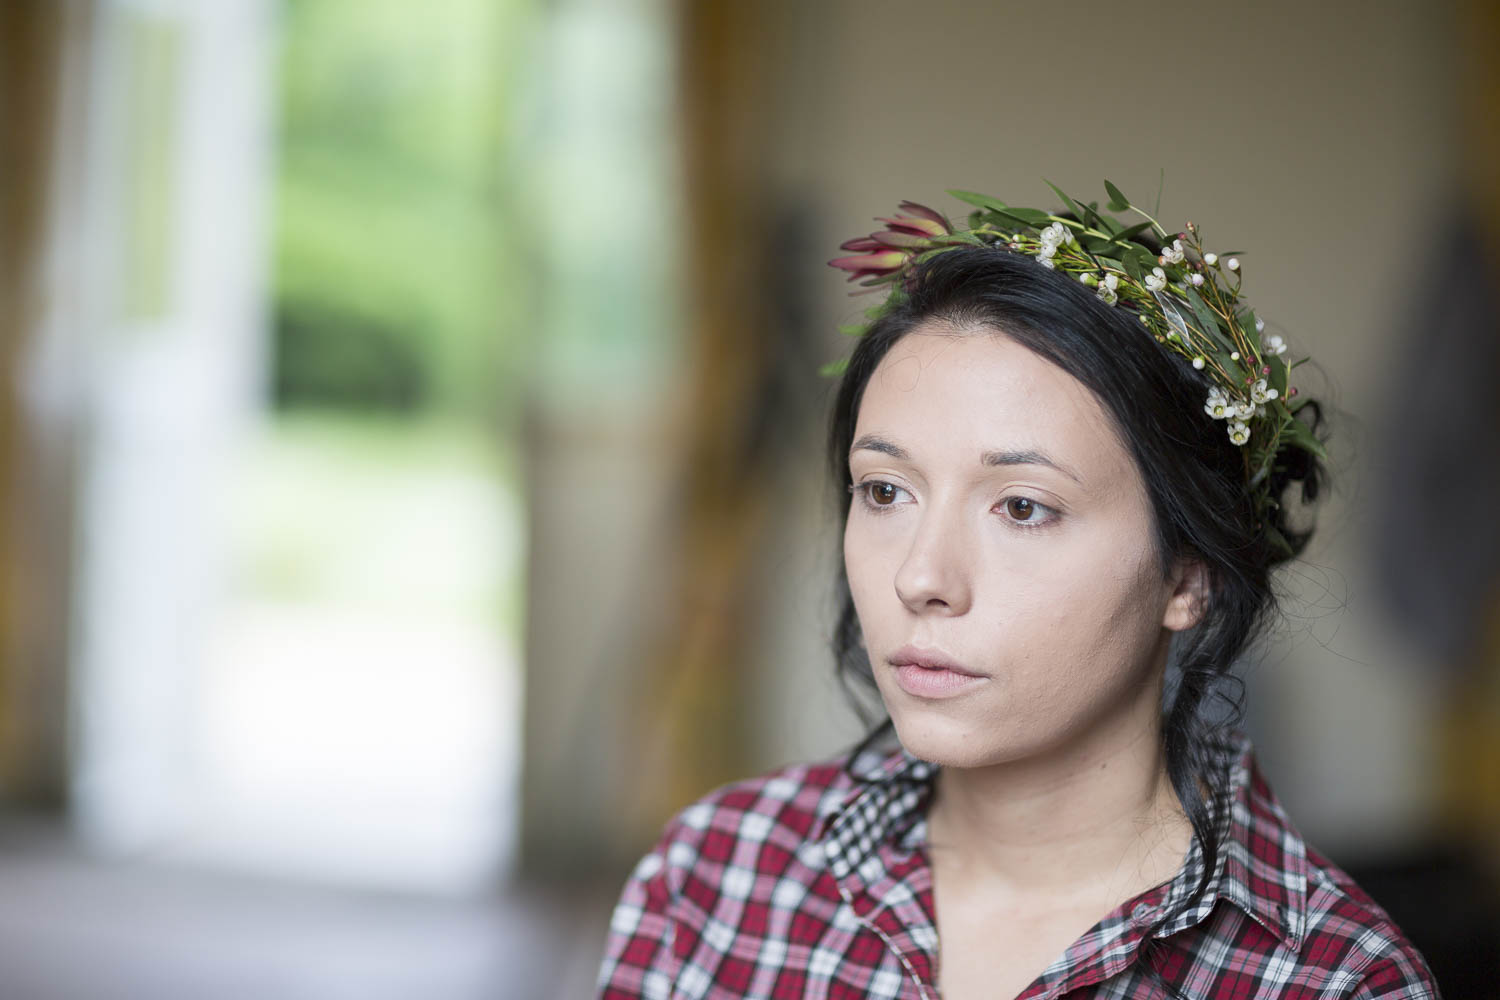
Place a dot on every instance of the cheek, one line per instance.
(1062, 613)
(863, 562)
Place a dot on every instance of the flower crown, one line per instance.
(1186, 297)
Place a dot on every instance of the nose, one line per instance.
(936, 575)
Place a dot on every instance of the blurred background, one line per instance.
(410, 438)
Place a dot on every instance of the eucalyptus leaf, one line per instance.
(1208, 321)
(1072, 207)
(980, 200)
(1141, 260)
(1277, 539)
(834, 368)
(1117, 201)
(1126, 235)
(1031, 216)
(925, 256)
(1301, 435)
(1278, 376)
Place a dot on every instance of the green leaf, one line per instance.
(1277, 379)
(1138, 262)
(1030, 216)
(834, 368)
(952, 239)
(1278, 540)
(1066, 200)
(853, 329)
(1126, 235)
(1096, 244)
(1208, 321)
(1117, 201)
(980, 200)
(922, 258)
(1301, 435)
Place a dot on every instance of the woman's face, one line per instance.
(999, 526)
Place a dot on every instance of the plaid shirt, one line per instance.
(813, 882)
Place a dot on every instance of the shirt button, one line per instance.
(1140, 913)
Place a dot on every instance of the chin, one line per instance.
(934, 735)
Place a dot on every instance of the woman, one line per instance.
(1067, 444)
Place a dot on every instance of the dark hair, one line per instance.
(1194, 476)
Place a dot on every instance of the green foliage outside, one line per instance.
(397, 280)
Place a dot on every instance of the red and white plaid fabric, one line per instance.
(813, 882)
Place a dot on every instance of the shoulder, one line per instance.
(1298, 925)
(748, 830)
(1350, 932)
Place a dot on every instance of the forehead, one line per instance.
(953, 394)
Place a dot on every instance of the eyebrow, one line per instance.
(871, 442)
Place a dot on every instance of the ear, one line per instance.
(1188, 596)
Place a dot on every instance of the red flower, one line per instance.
(887, 251)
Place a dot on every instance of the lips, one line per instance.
(930, 659)
(930, 674)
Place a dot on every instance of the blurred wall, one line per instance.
(35, 478)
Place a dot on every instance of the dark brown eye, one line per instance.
(1020, 508)
(882, 493)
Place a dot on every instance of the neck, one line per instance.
(1095, 814)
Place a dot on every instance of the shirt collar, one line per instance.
(1261, 866)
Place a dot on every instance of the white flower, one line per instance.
(1173, 254)
(1260, 325)
(1045, 262)
(1234, 355)
(1239, 433)
(1196, 279)
(1210, 259)
(1156, 280)
(1274, 345)
(1198, 363)
(1217, 405)
(1233, 263)
(1106, 295)
(1112, 281)
(1054, 234)
(1244, 410)
(1260, 394)
(1046, 250)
